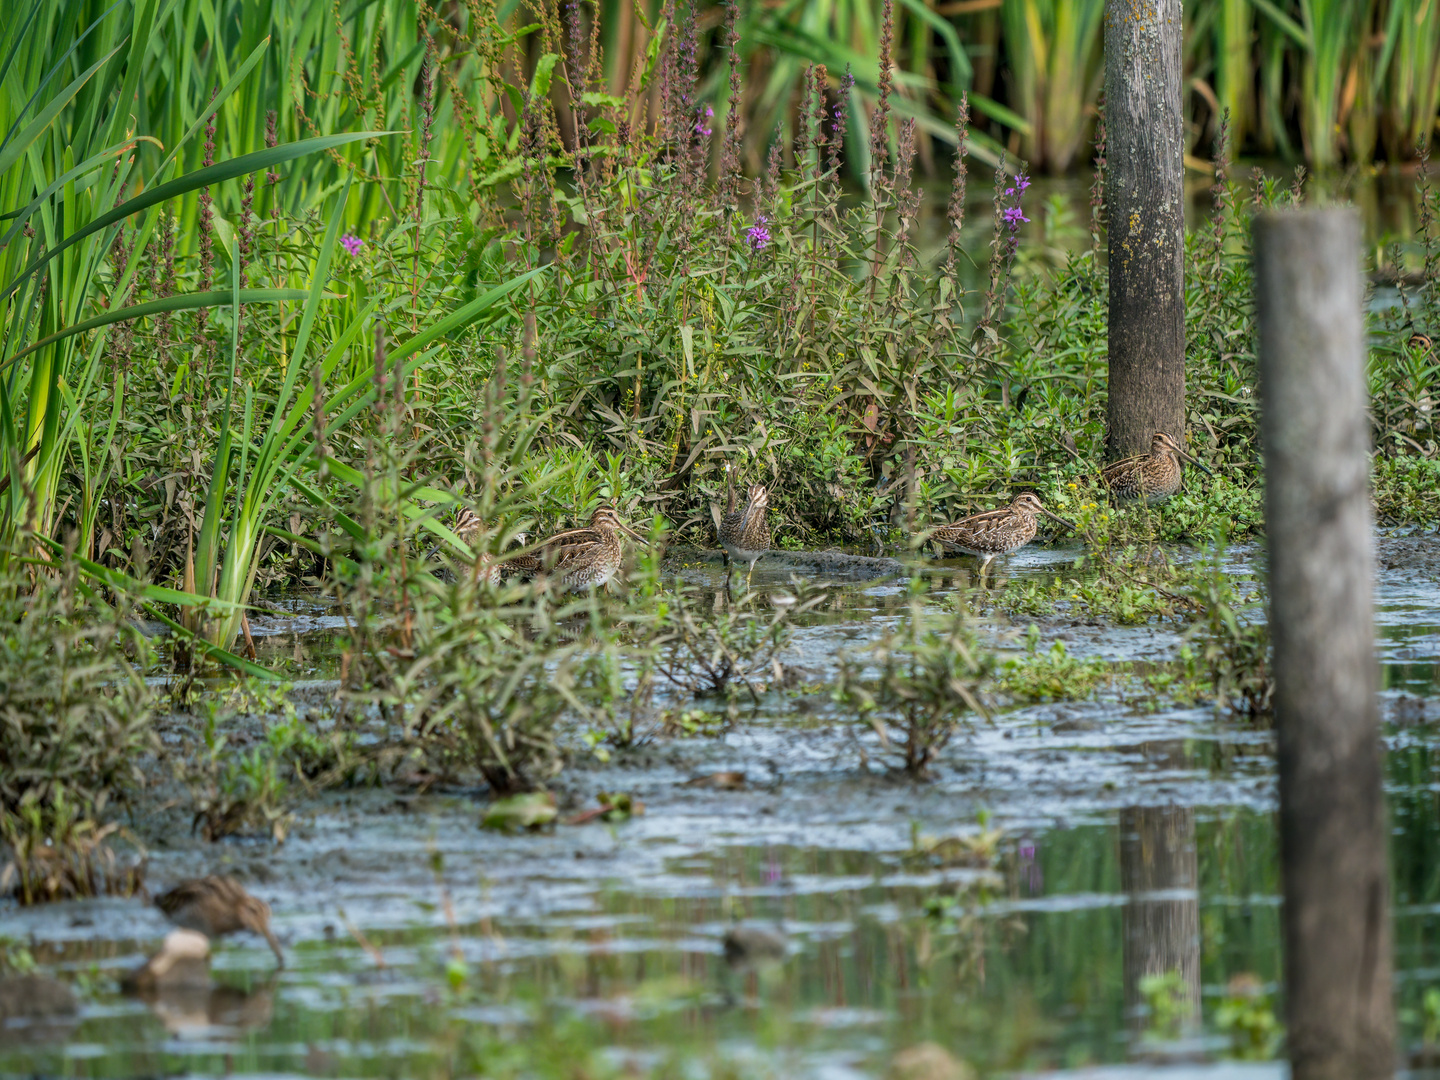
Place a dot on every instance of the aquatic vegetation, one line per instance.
(74, 712)
(58, 853)
(711, 650)
(978, 848)
(1123, 577)
(1052, 675)
(1247, 1015)
(1407, 489)
(1167, 1004)
(233, 792)
(1230, 643)
(76, 722)
(926, 680)
(530, 810)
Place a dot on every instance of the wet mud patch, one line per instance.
(1009, 909)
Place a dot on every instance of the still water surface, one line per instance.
(1135, 843)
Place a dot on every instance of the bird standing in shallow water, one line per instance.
(996, 532)
(1153, 477)
(744, 534)
(581, 559)
(215, 906)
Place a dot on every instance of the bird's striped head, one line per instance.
(607, 518)
(1160, 443)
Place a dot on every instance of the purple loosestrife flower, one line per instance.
(703, 118)
(352, 244)
(1013, 215)
(758, 234)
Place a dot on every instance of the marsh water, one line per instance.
(1134, 887)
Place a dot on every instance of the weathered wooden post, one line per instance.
(1145, 212)
(1333, 835)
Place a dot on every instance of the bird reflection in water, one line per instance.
(177, 985)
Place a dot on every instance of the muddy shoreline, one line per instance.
(822, 837)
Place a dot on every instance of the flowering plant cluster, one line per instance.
(1012, 214)
(759, 233)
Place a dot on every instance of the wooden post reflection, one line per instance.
(1161, 919)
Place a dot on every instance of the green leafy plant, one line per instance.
(75, 714)
(1230, 646)
(927, 678)
(1247, 1015)
(1167, 1003)
(1052, 675)
(234, 792)
(57, 853)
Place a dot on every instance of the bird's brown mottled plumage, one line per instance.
(744, 532)
(216, 906)
(1153, 476)
(996, 532)
(470, 527)
(582, 558)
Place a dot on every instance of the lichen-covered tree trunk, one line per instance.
(1144, 195)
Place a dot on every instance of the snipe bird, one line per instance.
(216, 906)
(996, 532)
(470, 527)
(744, 534)
(1153, 477)
(579, 559)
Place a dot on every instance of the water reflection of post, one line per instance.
(1161, 919)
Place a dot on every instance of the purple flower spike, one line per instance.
(1013, 216)
(758, 234)
(351, 244)
(703, 127)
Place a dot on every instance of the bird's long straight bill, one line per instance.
(1196, 463)
(628, 531)
(1058, 518)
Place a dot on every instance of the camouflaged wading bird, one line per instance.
(216, 906)
(470, 527)
(1153, 477)
(581, 559)
(744, 535)
(996, 532)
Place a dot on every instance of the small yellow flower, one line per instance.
(1073, 486)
